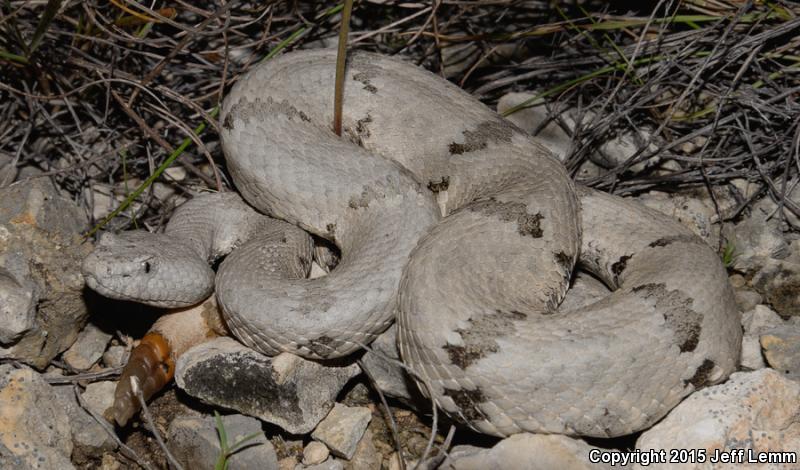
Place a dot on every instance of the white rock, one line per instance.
(558, 140)
(34, 425)
(99, 396)
(757, 411)
(285, 390)
(314, 453)
(88, 348)
(756, 322)
(343, 428)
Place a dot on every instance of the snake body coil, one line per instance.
(466, 228)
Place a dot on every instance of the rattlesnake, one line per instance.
(458, 223)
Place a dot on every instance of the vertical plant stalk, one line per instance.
(341, 59)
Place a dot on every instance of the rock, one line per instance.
(756, 238)
(779, 282)
(34, 426)
(747, 299)
(115, 356)
(314, 453)
(389, 376)
(40, 257)
(195, 444)
(17, 308)
(525, 452)
(548, 125)
(693, 208)
(343, 428)
(89, 438)
(758, 411)
(781, 348)
(88, 348)
(286, 390)
(330, 464)
(287, 463)
(99, 396)
(755, 322)
(366, 456)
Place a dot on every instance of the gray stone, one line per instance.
(525, 452)
(314, 453)
(382, 362)
(87, 349)
(366, 456)
(40, 257)
(286, 390)
(758, 411)
(194, 442)
(554, 128)
(756, 238)
(330, 464)
(89, 438)
(779, 282)
(755, 322)
(34, 425)
(343, 428)
(693, 208)
(115, 356)
(781, 348)
(99, 396)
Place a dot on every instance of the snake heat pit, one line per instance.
(454, 221)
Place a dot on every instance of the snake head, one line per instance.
(149, 268)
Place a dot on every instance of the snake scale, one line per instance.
(455, 222)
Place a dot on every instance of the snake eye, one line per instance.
(146, 267)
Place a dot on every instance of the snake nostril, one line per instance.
(147, 267)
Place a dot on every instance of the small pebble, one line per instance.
(314, 453)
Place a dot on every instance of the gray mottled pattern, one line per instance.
(469, 229)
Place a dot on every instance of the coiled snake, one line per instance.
(458, 223)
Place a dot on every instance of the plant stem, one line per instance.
(341, 59)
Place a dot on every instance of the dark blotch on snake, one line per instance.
(479, 338)
(527, 224)
(679, 316)
(439, 186)
(620, 265)
(665, 241)
(468, 401)
(478, 139)
(700, 376)
(324, 346)
(360, 132)
(227, 123)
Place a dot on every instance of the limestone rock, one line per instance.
(366, 456)
(330, 464)
(693, 208)
(343, 428)
(99, 396)
(194, 442)
(525, 452)
(554, 128)
(89, 438)
(34, 426)
(40, 258)
(779, 281)
(389, 376)
(286, 390)
(88, 348)
(755, 322)
(314, 453)
(757, 411)
(781, 348)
